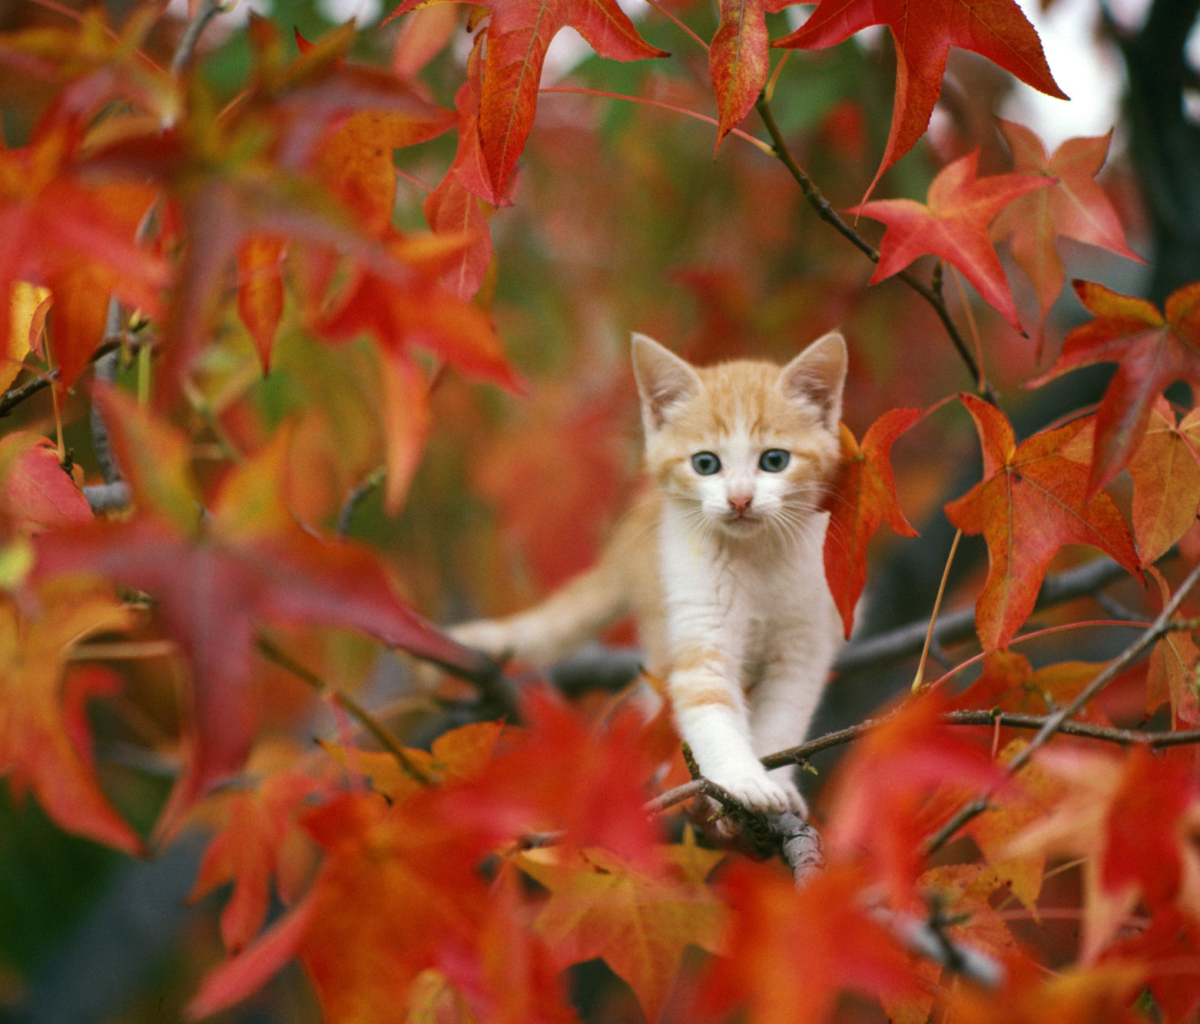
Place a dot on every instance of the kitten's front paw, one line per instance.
(758, 792)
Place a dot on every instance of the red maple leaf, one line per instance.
(862, 497)
(924, 31)
(953, 225)
(36, 493)
(563, 774)
(399, 889)
(518, 37)
(259, 840)
(1152, 351)
(880, 809)
(74, 232)
(453, 208)
(1074, 206)
(1032, 500)
(216, 576)
(414, 310)
(791, 953)
(738, 59)
(1130, 816)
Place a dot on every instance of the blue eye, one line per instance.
(705, 463)
(774, 460)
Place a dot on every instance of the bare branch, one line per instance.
(827, 213)
(1057, 722)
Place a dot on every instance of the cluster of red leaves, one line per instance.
(460, 883)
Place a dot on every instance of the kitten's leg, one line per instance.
(560, 625)
(783, 703)
(711, 713)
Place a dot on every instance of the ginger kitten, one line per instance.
(722, 561)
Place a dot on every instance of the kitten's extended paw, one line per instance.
(486, 635)
(758, 792)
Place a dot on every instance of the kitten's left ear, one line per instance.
(817, 375)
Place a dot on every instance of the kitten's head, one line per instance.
(744, 445)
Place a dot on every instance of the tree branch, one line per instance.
(272, 652)
(1057, 722)
(827, 213)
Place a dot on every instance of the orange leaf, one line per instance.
(260, 292)
(216, 578)
(1032, 501)
(739, 59)
(1166, 481)
(924, 31)
(862, 497)
(1152, 351)
(1130, 817)
(638, 924)
(76, 238)
(39, 748)
(1074, 206)
(953, 225)
(399, 887)
(256, 843)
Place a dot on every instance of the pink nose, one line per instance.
(740, 502)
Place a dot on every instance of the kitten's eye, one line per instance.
(705, 463)
(774, 460)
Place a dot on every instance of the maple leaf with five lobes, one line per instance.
(43, 743)
(1131, 817)
(518, 37)
(862, 497)
(398, 891)
(1151, 350)
(216, 576)
(1032, 500)
(1074, 206)
(924, 31)
(638, 924)
(561, 773)
(953, 224)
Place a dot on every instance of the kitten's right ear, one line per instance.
(663, 379)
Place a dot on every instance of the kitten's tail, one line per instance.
(573, 615)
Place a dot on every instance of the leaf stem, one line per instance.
(744, 136)
(671, 16)
(919, 678)
(827, 213)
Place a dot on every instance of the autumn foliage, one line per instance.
(315, 336)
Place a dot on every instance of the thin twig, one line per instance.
(358, 492)
(274, 653)
(827, 213)
(919, 678)
(976, 718)
(1057, 721)
(209, 9)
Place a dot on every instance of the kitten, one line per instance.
(722, 560)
